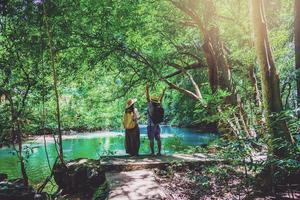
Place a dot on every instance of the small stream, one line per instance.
(94, 145)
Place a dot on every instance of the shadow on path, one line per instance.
(134, 185)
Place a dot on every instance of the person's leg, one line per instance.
(131, 143)
(159, 147)
(152, 146)
(137, 141)
(157, 137)
(150, 134)
(126, 141)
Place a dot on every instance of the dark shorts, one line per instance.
(153, 132)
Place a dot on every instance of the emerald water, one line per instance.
(93, 145)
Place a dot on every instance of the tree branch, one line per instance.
(190, 12)
(195, 85)
(182, 90)
(189, 67)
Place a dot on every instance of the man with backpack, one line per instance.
(155, 114)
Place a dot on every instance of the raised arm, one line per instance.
(162, 94)
(147, 92)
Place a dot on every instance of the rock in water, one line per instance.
(81, 176)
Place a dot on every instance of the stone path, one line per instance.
(134, 185)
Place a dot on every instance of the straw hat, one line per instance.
(154, 99)
(130, 102)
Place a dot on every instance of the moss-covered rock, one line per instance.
(81, 176)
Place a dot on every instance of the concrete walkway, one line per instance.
(131, 178)
(126, 163)
(134, 185)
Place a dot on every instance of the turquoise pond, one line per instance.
(94, 145)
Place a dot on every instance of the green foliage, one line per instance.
(286, 168)
(203, 181)
(221, 172)
(214, 101)
(240, 148)
(106, 51)
(173, 167)
(99, 70)
(175, 144)
(277, 172)
(195, 149)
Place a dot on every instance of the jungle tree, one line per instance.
(52, 52)
(297, 48)
(214, 51)
(272, 103)
(20, 45)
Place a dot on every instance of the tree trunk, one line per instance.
(256, 97)
(218, 65)
(253, 80)
(272, 103)
(17, 134)
(54, 72)
(21, 158)
(297, 50)
(212, 66)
